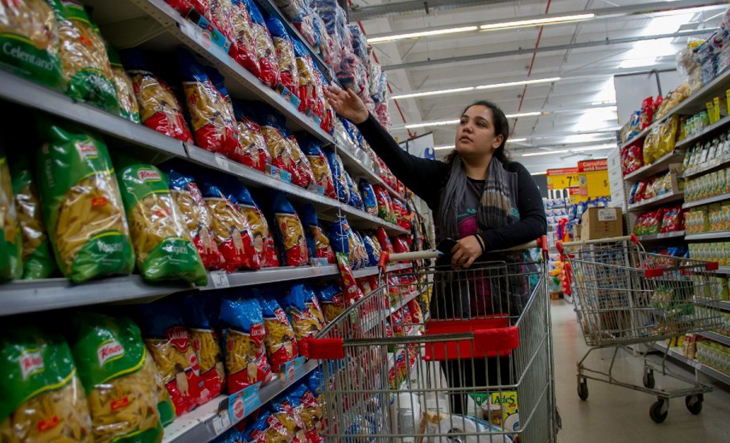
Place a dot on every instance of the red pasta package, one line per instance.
(262, 239)
(198, 312)
(322, 174)
(289, 232)
(307, 86)
(288, 74)
(400, 244)
(287, 409)
(264, 46)
(672, 220)
(350, 289)
(331, 300)
(317, 242)
(244, 331)
(254, 152)
(184, 6)
(281, 345)
(273, 127)
(242, 47)
(302, 175)
(384, 241)
(221, 15)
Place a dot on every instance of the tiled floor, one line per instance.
(615, 414)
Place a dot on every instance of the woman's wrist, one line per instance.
(360, 119)
(481, 242)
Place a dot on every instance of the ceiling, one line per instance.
(564, 117)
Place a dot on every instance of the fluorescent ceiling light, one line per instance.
(430, 93)
(392, 38)
(527, 114)
(536, 22)
(520, 83)
(443, 148)
(516, 140)
(576, 150)
(436, 123)
(470, 88)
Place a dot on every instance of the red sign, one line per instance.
(593, 165)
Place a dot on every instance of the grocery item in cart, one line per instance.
(289, 232)
(437, 423)
(84, 60)
(322, 174)
(369, 200)
(281, 344)
(264, 45)
(262, 238)
(160, 237)
(33, 54)
(43, 399)
(37, 257)
(159, 109)
(303, 310)
(288, 75)
(243, 334)
(318, 244)
(255, 153)
(338, 176)
(118, 376)
(332, 302)
(128, 107)
(169, 342)
(198, 311)
(82, 206)
(244, 41)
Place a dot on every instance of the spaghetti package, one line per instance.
(262, 239)
(29, 28)
(264, 46)
(198, 312)
(196, 216)
(42, 397)
(321, 172)
(338, 176)
(37, 256)
(161, 240)
(289, 232)
(128, 107)
(288, 74)
(254, 151)
(82, 206)
(332, 302)
(11, 240)
(169, 342)
(118, 376)
(303, 310)
(84, 59)
(159, 109)
(281, 345)
(243, 47)
(243, 333)
(213, 122)
(230, 230)
(369, 200)
(318, 244)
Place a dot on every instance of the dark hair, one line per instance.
(501, 127)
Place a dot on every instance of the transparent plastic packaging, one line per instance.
(158, 107)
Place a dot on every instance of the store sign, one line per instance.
(593, 178)
(562, 178)
(593, 165)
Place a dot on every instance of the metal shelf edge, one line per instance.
(713, 127)
(706, 201)
(657, 201)
(654, 168)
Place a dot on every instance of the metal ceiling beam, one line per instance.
(414, 6)
(522, 51)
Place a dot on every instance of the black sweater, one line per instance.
(427, 178)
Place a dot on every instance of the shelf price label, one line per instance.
(243, 403)
(291, 370)
(220, 279)
(278, 173)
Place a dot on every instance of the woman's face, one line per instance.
(475, 133)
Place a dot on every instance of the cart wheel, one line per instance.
(694, 403)
(583, 389)
(655, 412)
(649, 381)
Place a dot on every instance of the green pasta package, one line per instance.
(118, 376)
(161, 242)
(37, 256)
(82, 206)
(42, 397)
(11, 264)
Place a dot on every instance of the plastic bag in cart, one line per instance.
(440, 423)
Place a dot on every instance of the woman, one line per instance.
(480, 199)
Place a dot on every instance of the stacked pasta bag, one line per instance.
(11, 265)
(199, 311)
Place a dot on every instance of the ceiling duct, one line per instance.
(356, 13)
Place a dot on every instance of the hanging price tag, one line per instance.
(220, 279)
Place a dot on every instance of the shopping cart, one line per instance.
(477, 367)
(626, 297)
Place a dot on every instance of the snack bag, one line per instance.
(355, 198)
(369, 200)
(82, 206)
(262, 239)
(42, 396)
(318, 244)
(198, 313)
(350, 289)
(667, 136)
(289, 232)
(11, 239)
(196, 217)
(118, 377)
(288, 75)
(281, 345)
(161, 241)
(255, 152)
(243, 333)
(322, 174)
(303, 311)
(332, 302)
(230, 230)
(384, 240)
(268, 429)
(29, 27)
(264, 46)
(384, 210)
(372, 249)
(243, 38)
(338, 176)
(672, 220)
(128, 107)
(159, 109)
(37, 256)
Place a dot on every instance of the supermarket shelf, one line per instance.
(661, 236)
(702, 134)
(56, 293)
(723, 270)
(639, 136)
(710, 372)
(707, 167)
(707, 236)
(706, 201)
(413, 295)
(723, 305)
(366, 272)
(660, 165)
(656, 201)
(725, 340)
(212, 419)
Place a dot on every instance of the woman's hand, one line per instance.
(465, 252)
(347, 104)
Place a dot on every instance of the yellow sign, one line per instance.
(562, 178)
(593, 178)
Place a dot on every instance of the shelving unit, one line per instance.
(707, 236)
(714, 336)
(660, 165)
(685, 143)
(656, 201)
(706, 201)
(704, 369)
(707, 167)
(662, 236)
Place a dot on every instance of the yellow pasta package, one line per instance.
(11, 264)
(42, 398)
(118, 376)
(82, 206)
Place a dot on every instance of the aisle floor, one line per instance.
(615, 414)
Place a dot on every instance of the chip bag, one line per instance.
(11, 240)
(37, 256)
(264, 46)
(84, 60)
(128, 107)
(82, 206)
(281, 345)
(318, 244)
(197, 313)
(118, 377)
(332, 302)
(243, 333)
(161, 241)
(384, 240)
(42, 396)
(303, 310)
(355, 199)
(322, 174)
(350, 289)
(289, 232)
(255, 152)
(338, 176)
(288, 74)
(368, 197)
(262, 239)
(244, 40)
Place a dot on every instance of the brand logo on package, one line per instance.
(31, 362)
(148, 174)
(109, 351)
(179, 338)
(87, 148)
(258, 331)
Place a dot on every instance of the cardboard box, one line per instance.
(600, 223)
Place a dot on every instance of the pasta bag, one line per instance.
(165, 408)
(281, 344)
(289, 232)
(118, 376)
(128, 107)
(288, 75)
(161, 242)
(29, 38)
(169, 342)
(307, 87)
(273, 128)
(196, 216)
(82, 206)
(268, 429)
(243, 334)
(185, 6)
(318, 244)
(244, 38)
(37, 256)
(287, 409)
(338, 176)
(355, 197)
(198, 314)
(42, 397)
(303, 310)
(369, 200)
(84, 59)
(309, 410)
(321, 172)
(264, 46)
(302, 176)
(332, 301)
(253, 153)
(11, 242)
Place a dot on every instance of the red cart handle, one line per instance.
(322, 348)
(496, 340)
